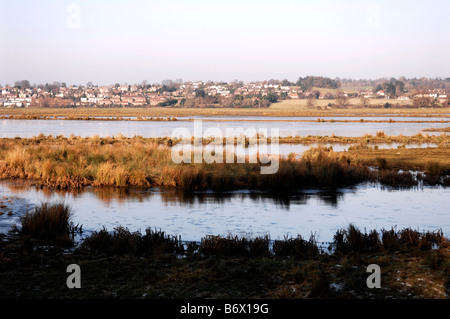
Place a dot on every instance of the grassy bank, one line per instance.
(73, 163)
(441, 129)
(309, 119)
(433, 161)
(274, 110)
(124, 264)
(379, 138)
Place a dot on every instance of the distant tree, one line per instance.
(422, 102)
(166, 88)
(328, 96)
(24, 84)
(315, 94)
(200, 93)
(286, 82)
(168, 102)
(392, 87)
(167, 82)
(89, 84)
(271, 97)
(341, 99)
(317, 81)
(364, 101)
(446, 102)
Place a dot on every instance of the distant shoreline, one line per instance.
(211, 112)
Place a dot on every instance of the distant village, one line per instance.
(194, 94)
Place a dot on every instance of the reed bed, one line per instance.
(84, 118)
(123, 242)
(296, 247)
(74, 163)
(234, 246)
(52, 221)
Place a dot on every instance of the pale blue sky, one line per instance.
(130, 41)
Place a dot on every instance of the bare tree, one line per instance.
(341, 99)
(364, 101)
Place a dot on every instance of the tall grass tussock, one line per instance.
(48, 221)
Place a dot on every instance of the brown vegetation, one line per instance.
(73, 163)
(429, 160)
(186, 112)
(49, 221)
(124, 264)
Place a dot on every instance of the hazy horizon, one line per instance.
(130, 41)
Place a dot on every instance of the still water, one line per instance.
(192, 216)
(30, 128)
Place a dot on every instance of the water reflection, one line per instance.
(30, 128)
(111, 195)
(194, 215)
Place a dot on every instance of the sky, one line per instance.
(107, 42)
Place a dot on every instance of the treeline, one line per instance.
(317, 81)
(392, 88)
(409, 84)
(236, 101)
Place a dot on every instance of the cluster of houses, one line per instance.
(440, 95)
(133, 95)
(154, 95)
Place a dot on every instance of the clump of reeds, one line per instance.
(409, 239)
(433, 168)
(17, 157)
(51, 221)
(234, 246)
(397, 179)
(296, 247)
(353, 240)
(381, 162)
(123, 242)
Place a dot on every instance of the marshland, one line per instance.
(120, 263)
(197, 229)
(199, 150)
